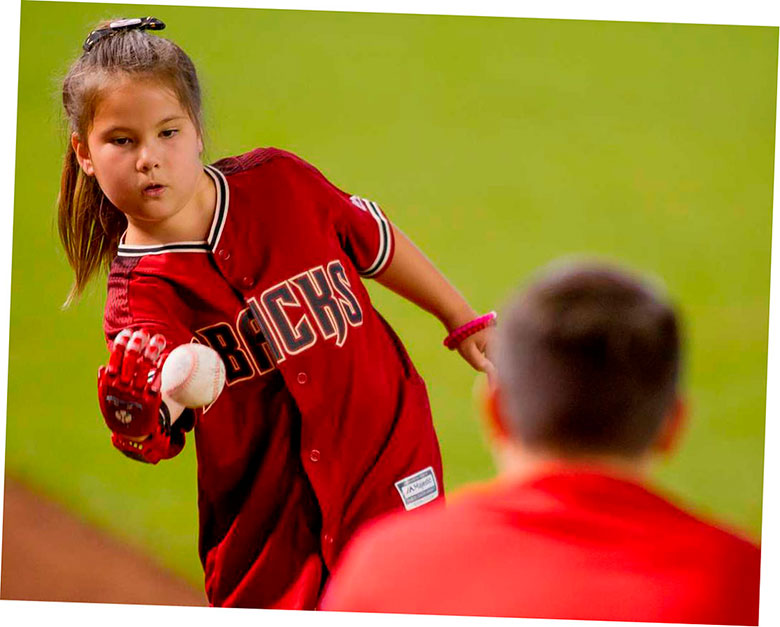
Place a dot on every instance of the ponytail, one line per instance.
(89, 225)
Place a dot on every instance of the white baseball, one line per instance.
(192, 376)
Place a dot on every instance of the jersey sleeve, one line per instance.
(365, 232)
(137, 299)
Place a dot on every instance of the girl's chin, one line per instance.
(147, 219)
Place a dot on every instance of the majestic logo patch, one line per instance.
(418, 489)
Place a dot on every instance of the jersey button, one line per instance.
(223, 254)
(328, 539)
(302, 378)
(314, 455)
(247, 281)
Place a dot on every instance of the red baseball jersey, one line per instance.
(324, 422)
(572, 544)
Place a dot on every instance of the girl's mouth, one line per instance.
(154, 190)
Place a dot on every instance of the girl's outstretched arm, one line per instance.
(412, 275)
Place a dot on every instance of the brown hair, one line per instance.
(588, 360)
(89, 224)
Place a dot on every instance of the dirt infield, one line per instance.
(48, 555)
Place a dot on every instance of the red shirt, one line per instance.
(568, 545)
(323, 412)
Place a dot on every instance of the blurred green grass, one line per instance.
(498, 145)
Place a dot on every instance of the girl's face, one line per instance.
(144, 150)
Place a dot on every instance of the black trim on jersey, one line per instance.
(223, 201)
(206, 246)
(385, 236)
(384, 240)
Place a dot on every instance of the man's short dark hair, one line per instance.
(588, 359)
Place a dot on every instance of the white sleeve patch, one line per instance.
(418, 489)
(383, 250)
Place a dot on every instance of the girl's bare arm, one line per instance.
(412, 275)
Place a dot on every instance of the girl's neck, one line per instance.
(191, 224)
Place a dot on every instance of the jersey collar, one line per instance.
(204, 246)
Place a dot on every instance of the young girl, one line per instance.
(324, 422)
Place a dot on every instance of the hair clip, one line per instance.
(135, 23)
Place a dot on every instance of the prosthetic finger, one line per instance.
(155, 347)
(132, 354)
(118, 351)
(141, 378)
(152, 354)
(156, 380)
(147, 365)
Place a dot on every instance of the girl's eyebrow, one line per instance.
(170, 118)
(115, 129)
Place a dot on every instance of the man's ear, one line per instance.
(82, 155)
(492, 411)
(672, 427)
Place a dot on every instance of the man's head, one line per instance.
(588, 361)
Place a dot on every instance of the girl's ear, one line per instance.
(200, 144)
(82, 155)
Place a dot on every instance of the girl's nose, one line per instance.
(147, 160)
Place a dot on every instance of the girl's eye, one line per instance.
(169, 132)
(120, 141)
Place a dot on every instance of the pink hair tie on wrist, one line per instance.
(470, 328)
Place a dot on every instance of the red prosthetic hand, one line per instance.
(131, 402)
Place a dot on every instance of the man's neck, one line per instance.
(516, 462)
